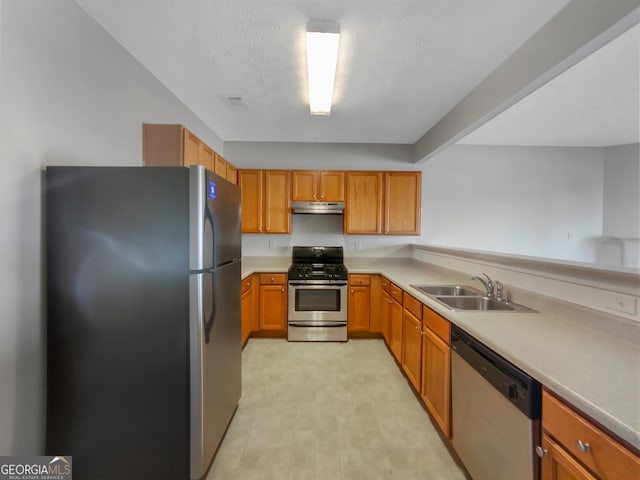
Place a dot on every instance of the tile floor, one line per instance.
(336, 411)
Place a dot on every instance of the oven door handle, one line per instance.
(318, 324)
(316, 285)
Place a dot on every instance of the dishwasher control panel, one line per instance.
(515, 385)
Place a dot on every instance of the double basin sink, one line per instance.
(463, 297)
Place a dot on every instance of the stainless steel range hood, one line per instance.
(318, 208)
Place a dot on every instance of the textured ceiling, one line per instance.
(403, 64)
(595, 103)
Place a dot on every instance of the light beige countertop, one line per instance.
(597, 372)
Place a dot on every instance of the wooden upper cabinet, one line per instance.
(303, 185)
(206, 156)
(266, 207)
(220, 166)
(277, 206)
(176, 146)
(250, 182)
(314, 185)
(331, 186)
(363, 207)
(402, 203)
(190, 149)
(232, 174)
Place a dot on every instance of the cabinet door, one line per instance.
(412, 348)
(251, 189)
(385, 316)
(273, 307)
(557, 464)
(436, 379)
(331, 186)
(220, 166)
(277, 209)
(190, 149)
(232, 174)
(402, 203)
(303, 185)
(246, 302)
(358, 309)
(363, 208)
(206, 156)
(395, 329)
(375, 295)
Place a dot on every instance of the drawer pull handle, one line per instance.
(583, 447)
(541, 452)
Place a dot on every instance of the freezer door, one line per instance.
(215, 360)
(214, 219)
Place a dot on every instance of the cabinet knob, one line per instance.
(272, 279)
(282, 289)
(322, 196)
(352, 290)
(314, 197)
(582, 446)
(541, 452)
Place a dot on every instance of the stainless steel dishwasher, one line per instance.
(495, 412)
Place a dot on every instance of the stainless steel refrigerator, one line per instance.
(143, 318)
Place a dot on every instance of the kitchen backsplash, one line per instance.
(326, 230)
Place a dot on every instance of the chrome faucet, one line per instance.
(488, 283)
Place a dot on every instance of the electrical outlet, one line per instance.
(272, 244)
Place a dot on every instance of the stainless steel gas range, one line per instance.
(317, 295)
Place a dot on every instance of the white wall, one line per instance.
(534, 201)
(69, 95)
(621, 206)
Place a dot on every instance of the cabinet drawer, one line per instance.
(273, 278)
(396, 292)
(245, 284)
(359, 279)
(440, 326)
(413, 305)
(599, 452)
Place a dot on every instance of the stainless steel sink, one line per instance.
(478, 303)
(448, 290)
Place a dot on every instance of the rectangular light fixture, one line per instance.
(322, 56)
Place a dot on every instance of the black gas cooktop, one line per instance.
(317, 263)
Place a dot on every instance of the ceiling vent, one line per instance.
(236, 102)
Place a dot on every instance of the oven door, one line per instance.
(317, 305)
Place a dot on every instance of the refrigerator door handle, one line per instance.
(208, 217)
(208, 324)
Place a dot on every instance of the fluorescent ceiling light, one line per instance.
(322, 55)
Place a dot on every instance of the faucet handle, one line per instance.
(499, 292)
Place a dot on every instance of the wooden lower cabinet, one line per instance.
(375, 298)
(557, 464)
(249, 317)
(436, 369)
(395, 328)
(576, 448)
(272, 310)
(359, 303)
(412, 347)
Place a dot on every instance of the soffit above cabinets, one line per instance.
(403, 64)
(595, 103)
